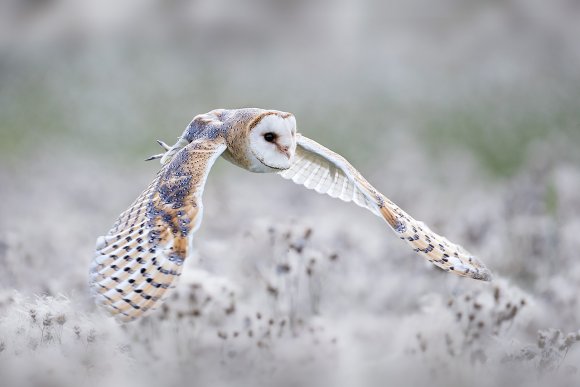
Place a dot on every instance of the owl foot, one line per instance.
(160, 155)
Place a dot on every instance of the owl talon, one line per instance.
(155, 157)
(160, 155)
(163, 145)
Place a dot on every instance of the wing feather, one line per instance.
(143, 253)
(326, 172)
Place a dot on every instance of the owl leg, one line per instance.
(155, 157)
(163, 145)
(160, 155)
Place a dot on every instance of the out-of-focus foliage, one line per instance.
(293, 286)
(489, 77)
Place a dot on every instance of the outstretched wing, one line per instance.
(325, 171)
(137, 261)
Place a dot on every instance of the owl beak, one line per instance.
(285, 150)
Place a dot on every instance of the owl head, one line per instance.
(260, 140)
(257, 140)
(271, 141)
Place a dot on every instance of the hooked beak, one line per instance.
(285, 150)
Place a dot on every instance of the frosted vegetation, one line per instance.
(286, 285)
(467, 119)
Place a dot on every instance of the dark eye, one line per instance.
(270, 137)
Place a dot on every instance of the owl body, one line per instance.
(143, 253)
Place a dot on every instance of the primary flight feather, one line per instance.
(141, 256)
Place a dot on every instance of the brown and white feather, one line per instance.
(326, 172)
(144, 252)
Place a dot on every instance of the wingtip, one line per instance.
(483, 274)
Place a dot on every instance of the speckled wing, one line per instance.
(326, 172)
(142, 255)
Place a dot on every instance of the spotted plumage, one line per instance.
(143, 253)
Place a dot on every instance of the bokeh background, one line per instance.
(465, 113)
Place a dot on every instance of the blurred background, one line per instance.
(466, 113)
(490, 78)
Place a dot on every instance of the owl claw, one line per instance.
(163, 145)
(160, 155)
(155, 157)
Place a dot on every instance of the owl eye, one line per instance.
(270, 137)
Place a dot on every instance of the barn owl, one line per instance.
(143, 254)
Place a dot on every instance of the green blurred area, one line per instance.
(501, 130)
(119, 112)
(121, 105)
(490, 80)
